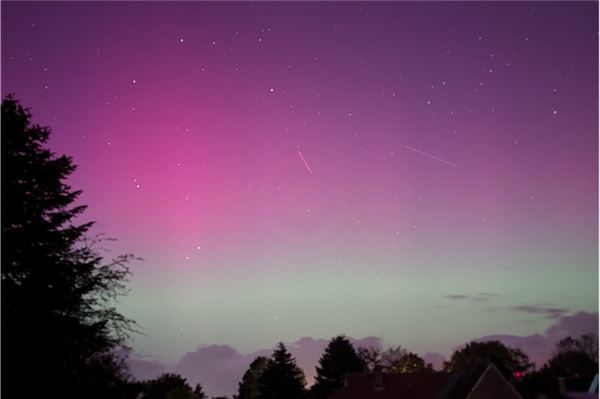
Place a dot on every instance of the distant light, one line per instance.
(518, 374)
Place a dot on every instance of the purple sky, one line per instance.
(308, 169)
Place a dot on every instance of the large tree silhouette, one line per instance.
(59, 324)
(282, 379)
(338, 360)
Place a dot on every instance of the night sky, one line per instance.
(421, 172)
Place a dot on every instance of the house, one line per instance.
(481, 383)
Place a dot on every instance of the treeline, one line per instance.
(279, 377)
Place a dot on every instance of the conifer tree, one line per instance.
(282, 379)
(340, 358)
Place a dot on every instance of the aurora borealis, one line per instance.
(422, 172)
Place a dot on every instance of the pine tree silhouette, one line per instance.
(338, 360)
(282, 379)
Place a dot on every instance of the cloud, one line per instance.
(574, 325)
(549, 312)
(456, 297)
(145, 368)
(436, 359)
(478, 297)
(539, 347)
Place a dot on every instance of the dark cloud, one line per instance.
(547, 311)
(550, 312)
(478, 297)
(456, 297)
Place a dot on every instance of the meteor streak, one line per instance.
(305, 163)
(428, 155)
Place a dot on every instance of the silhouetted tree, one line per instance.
(282, 379)
(475, 354)
(184, 392)
(59, 322)
(199, 392)
(340, 358)
(575, 357)
(399, 360)
(586, 344)
(370, 357)
(394, 359)
(165, 384)
(248, 388)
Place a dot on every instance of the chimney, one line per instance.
(378, 378)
